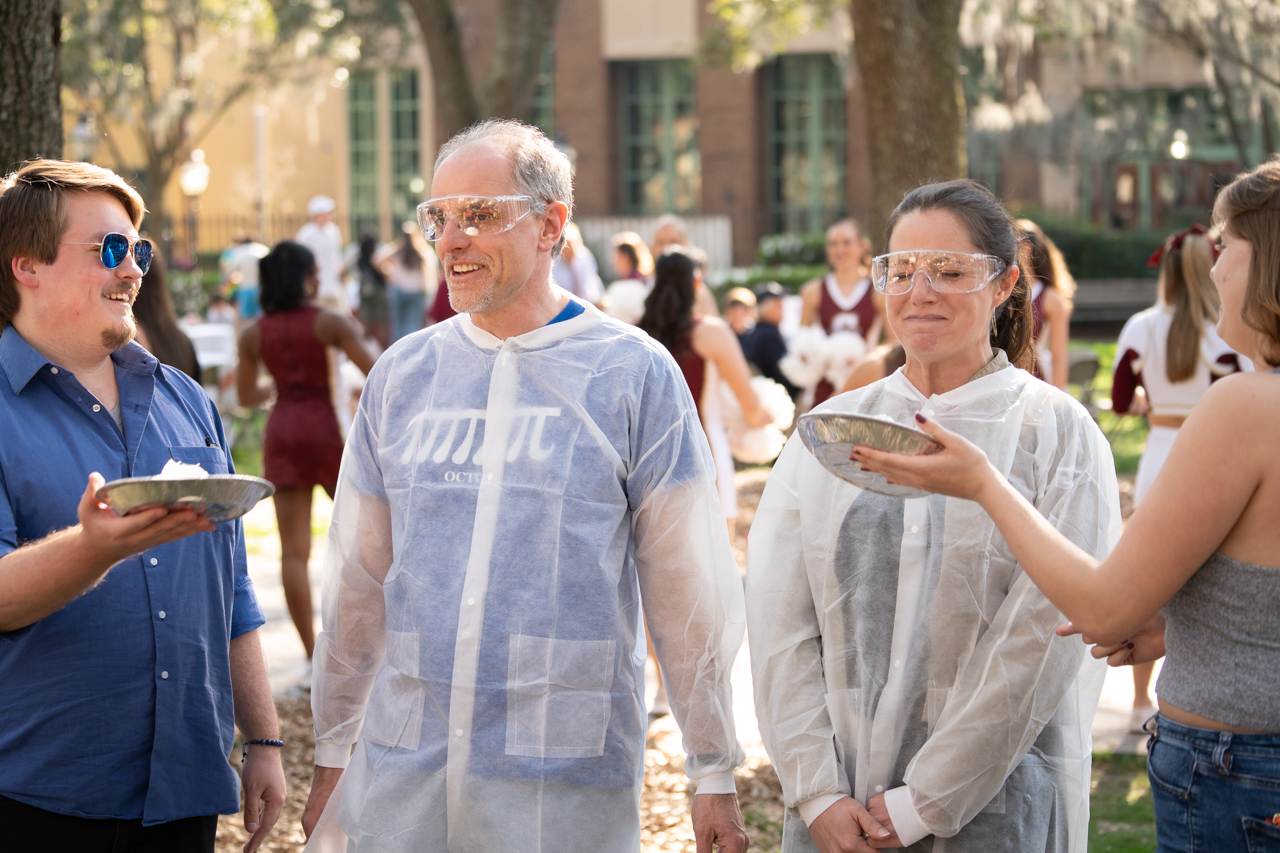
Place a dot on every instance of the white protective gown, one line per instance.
(502, 507)
(897, 642)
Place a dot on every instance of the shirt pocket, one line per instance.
(212, 459)
(558, 696)
(394, 716)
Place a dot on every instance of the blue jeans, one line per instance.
(1213, 790)
(406, 312)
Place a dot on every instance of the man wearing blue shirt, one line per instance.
(127, 645)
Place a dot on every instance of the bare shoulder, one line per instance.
(1053, 300)
(250, 335)
(712, 334)
(330, 323)
(1241, 411)
(811, 289)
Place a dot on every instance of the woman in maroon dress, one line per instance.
(302, 447)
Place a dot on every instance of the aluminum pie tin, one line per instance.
(219, 498)
(831, 437)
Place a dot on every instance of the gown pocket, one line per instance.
(558, 696)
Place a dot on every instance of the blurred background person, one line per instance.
(624, 299)
(1051, 290)
(740, 311)
(322, 236)
(764, 345)
(374, 303)
(239, 268)
(1166, 358)
(671, 230)
(576, 269)
(631, 257)
(158, 329)
(302, 444)
(707, 351)
(221, 310)
(408, 272)
(844, 300)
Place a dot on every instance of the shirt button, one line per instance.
(915, 528)
(458, 733)
(471, 602)
(97, 408)
(164, 674)
(879, 789)
(488, 476)
(897, 664)
(506, 355)
(54, 371)
(161, 614)
(154, 561)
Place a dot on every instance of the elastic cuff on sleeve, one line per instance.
(330, 753)
(719, 782)
(906, 820)
(810, 809)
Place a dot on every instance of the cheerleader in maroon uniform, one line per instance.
(844, 300)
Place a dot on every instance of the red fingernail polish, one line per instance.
(920, 418)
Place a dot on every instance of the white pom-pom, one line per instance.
(844, 351)
(806, 358)
(624, 300)
(775, 400)
(761, 445)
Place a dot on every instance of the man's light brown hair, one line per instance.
(33, 214)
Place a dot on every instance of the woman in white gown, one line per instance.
(909, 686)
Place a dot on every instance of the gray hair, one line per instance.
(538, 168)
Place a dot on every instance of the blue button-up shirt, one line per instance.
(119, 704)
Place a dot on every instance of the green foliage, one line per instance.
(1093, 253)
(742, 33)
(246, 441)
(140, 68)
(791, 276)
(786, 249)
(1121, 815)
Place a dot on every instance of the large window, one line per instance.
(659, 134)
(541, 111)
(406, 146)
(805, 140)
(362, 105)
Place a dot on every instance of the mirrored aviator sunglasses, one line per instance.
(115, 248)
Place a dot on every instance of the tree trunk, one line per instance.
(30, 81)
(525, 28)
(908, 52)
(456, 102)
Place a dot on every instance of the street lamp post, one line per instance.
(193, 179)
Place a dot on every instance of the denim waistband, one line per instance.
(1161, 726)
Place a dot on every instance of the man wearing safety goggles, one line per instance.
(521, 483)
(122, 639)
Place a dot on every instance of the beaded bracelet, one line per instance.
(244, 748)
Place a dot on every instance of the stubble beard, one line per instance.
(117, 336)
(472, 302)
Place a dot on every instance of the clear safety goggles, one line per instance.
(473, 214)
(947, 272)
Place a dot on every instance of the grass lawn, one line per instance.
(1121, 819)
(1127, 434)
